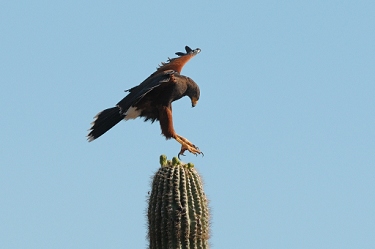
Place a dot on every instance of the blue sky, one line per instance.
(286, 120)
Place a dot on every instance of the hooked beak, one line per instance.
(194, 102)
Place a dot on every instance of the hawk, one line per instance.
(152, 99)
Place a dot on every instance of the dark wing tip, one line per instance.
(189, 51)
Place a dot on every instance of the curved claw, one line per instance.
(192, 149)
(187, 145)
(180, 155)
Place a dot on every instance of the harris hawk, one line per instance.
(152, 99)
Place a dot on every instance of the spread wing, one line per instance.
(178, 63)
(138, 92)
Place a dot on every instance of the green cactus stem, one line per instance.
(178, 213)
(163, 160)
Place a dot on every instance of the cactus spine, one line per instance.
(178, 214)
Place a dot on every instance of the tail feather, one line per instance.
(104, 121)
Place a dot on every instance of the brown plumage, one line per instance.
(152, 99)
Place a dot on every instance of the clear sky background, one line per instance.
(286, 120)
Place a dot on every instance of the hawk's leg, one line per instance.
(186, 145)
(166, 124)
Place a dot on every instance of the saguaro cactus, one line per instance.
(178, 214)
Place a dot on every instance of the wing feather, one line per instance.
(138, 92)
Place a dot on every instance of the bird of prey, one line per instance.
(152, 100)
